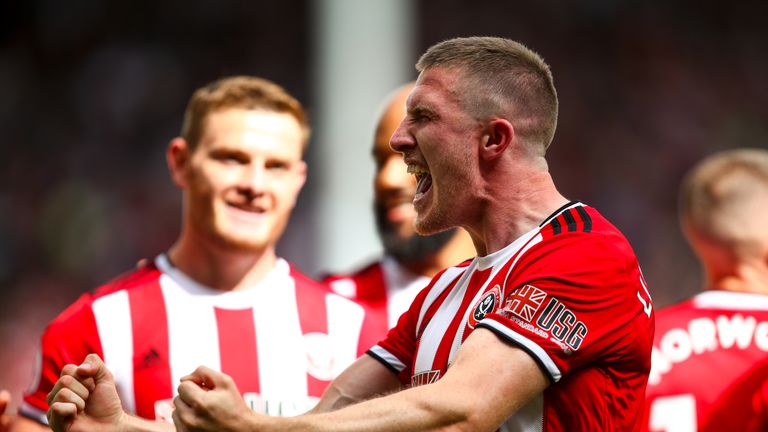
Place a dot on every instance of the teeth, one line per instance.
(416, 170)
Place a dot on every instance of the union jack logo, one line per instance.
(525, 301)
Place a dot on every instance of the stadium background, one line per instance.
(92, 91)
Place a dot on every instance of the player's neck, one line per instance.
(219, 267)
(513, 210)
(745, 278)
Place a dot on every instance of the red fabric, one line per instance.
(710, 365)
(371, 294)
(587, 320)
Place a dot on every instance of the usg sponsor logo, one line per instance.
(562, 324)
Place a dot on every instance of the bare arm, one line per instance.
(366, 378)
(487, 383)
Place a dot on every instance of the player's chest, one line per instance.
(451, 319)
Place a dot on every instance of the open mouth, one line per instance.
(423, 179)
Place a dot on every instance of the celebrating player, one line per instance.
(220, 296)
(710, 353)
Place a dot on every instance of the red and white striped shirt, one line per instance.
(385, 289)
(569, 293)
(710, 365)
(282, 340)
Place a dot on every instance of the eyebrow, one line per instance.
(421, 110)
(224, 147)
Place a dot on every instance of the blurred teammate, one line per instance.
(549, 329)
(710, 353)
(386, 288)
(219, 296)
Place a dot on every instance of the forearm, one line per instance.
(334, 399)
(365, 379)
(474, 395)
(427, 408)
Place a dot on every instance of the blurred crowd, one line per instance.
(93, 91)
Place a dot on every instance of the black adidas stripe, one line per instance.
(572, 221)
(569, 220)
(556, 228)
(585, 218)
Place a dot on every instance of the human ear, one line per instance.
(499, 135)
(177, 157)
(302, 173)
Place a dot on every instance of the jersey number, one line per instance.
(673, 414)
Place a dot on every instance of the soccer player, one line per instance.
(549, 329)
(387, 287)
(710, 353)
(220, 296)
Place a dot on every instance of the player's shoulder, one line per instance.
(79, 313)
(143, 273)
(577, 230)
(712, 304)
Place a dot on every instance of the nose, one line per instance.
(402, 139)
(253, 179)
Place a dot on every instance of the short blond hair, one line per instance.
(719, 198)
(245, 92)
(503, 78)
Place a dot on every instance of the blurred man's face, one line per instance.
(394, 190)
(244, 177)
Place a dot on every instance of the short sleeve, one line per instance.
(573, 301)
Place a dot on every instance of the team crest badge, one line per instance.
(488, 303)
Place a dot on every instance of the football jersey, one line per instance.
(282, 340)
(710, 365)
(570, 293)
(385, 289)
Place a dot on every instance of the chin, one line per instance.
(426, 228)
(240, 242)
(243, 245)
(431, 223)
